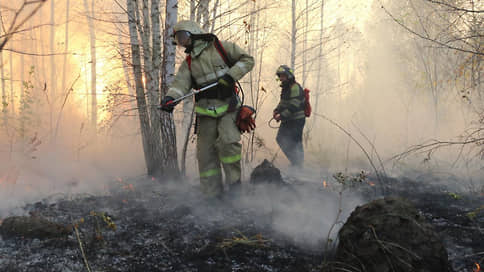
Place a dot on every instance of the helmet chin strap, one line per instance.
(189, 48)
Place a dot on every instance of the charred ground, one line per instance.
(153, 227)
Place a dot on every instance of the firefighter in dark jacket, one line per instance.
(290, 111)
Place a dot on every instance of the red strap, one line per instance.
(220, 49)
(189, 62)
(222, 52)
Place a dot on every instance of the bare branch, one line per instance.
(454, 7)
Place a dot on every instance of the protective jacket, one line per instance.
(206, 67)
(291, 106)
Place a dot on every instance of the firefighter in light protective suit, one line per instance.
(218, 137)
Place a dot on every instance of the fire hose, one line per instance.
(192, 93)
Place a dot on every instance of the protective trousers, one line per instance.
(218, 145)
(289, 138)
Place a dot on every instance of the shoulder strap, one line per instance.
(189, 62)
(221, 50)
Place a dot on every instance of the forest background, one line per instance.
(396, 88)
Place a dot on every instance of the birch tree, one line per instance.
(168, 135)
(293, 33)
(2, 75)
(66, 48)
(52, 66)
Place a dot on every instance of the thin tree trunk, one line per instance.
(124, 61)
(92, 40)
(154, 84)
(305, 44)
(168, 134)
(4, 94)
(12, 97)
(249, 156)
(293, 34)
(319, 88)
(22, 95)
(4, 91)
(215, 8)
(66, 48)
(52, 66)
(193, 9)
(138, 77)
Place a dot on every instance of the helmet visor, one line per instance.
(181, 37)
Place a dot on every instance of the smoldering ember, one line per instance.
(263, 135)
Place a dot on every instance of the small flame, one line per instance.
(478, 268)
(325, 184)
(371, 183)
(129, 187)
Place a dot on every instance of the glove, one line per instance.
(226, 81)
(245, 122)
(167, 104)
(276, 115)
(246, 125)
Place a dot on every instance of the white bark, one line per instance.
(193, 9)
(293, 35)
(66, 48)
(320, 61)
(4, 91)
(52, 65)
(12, 97)
(203, 14)
(168, 135)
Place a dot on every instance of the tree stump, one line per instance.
(389, 235)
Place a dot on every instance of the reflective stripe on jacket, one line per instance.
(291, 106)
(207, 66)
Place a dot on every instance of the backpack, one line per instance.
(307, 105)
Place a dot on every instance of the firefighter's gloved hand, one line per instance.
(276, 115)
(226, 81)
(245, 122)
(167, 104)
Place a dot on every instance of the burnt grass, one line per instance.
(153, 227)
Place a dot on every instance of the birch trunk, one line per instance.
(151, 74)
(154, 85)
(203, 14)
(92, 40)
(193, 9)
(4, 94)
(168, 135)
(12, 97)
(22, 95)
(305, 44)
(293, 35)
(138, 78)
(66, 48)
(319, 88)
(52, 66)
(4, 91)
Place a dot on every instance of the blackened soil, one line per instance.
(154, 228)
